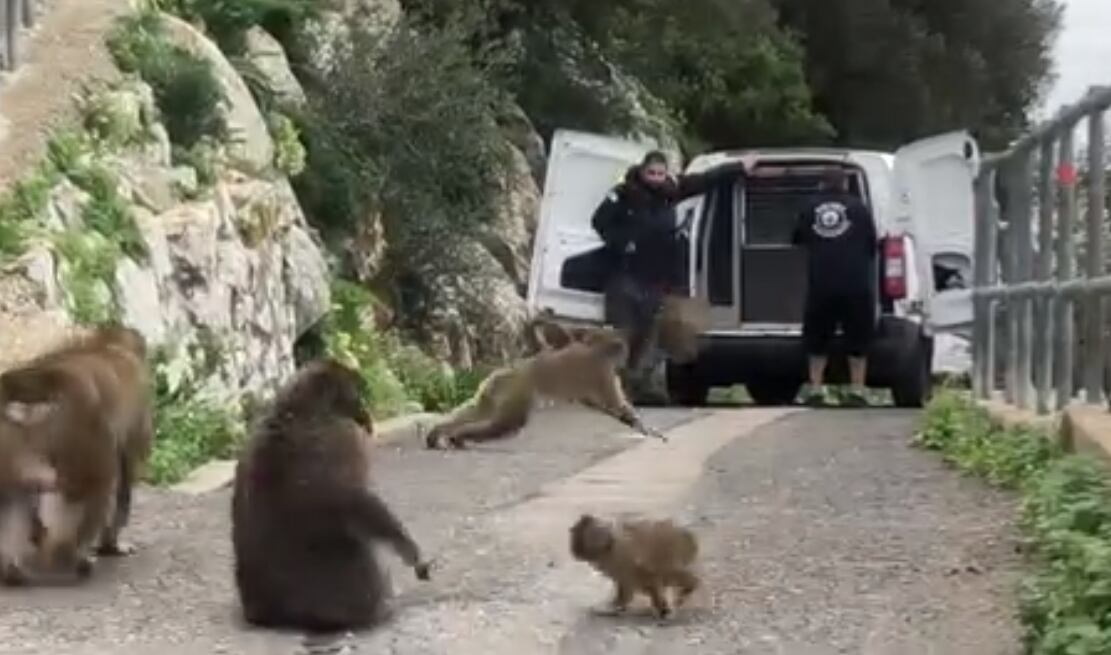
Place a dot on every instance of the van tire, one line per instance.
(685, 387)
(915, 383)
(773, 392)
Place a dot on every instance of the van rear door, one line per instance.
(566, 275)
(934, 200)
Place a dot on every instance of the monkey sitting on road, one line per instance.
(583, 371)
(643, 556)
(95, 433)
(303, 516)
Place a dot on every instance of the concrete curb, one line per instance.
(1081, 428)
(217, 474)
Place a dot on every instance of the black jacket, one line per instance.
(633, 213)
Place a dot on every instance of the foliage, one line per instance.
(186, 89)
(885, 72)
(1066, 603)
(289, 152)
(90, 267)
(228, 21)
(108, 212)
(190, 429)
(20, 208)
(395, 376)
(428, 154)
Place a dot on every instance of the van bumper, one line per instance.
(726, 360)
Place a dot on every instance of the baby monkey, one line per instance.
(639, 555)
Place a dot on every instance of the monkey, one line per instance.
(24, 475)
(639, 555)
(304, 517)
(679, 322)
(96, 434)
(583, 371)
(543, 333)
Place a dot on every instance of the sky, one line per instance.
(1082, 53)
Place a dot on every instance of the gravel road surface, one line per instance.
(821, 532)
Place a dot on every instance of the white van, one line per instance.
(741, 260)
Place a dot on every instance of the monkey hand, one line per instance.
(423, 570)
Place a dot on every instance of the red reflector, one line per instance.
(894, 268)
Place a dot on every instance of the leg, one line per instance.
(493, 427)
(444, 432)
(622, 596)
(18, 518)
(859, 325)
(817, 331)
(610, 399)
(375, 520)
(110, 545)
(65, 524)
(688, 583)
(658, 595)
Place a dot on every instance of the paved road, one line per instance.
(822, 532)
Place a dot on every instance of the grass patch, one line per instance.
(190, 428)
(1066, 602)
(396, 377)
(186, 89)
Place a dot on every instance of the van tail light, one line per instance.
(894, 267)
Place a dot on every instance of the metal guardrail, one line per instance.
(15, 16)
(1026, 294)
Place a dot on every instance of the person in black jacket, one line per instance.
(839, 234)
(637, 222)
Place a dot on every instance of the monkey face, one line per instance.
(590, 539)
(344, 393)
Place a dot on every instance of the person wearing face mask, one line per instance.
(638, 224)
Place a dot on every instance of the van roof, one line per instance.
(718, 158)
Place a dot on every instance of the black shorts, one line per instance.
(855, 314)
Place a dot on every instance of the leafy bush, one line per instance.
(228, 21)
(416, 134)
(1066, 603)
(396, 376)
(289, 153)
(90, 266)
(186, 89)
(21, 207)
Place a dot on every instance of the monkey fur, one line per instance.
(639, 555)
(583, 371)
(96, 434)
(303, 515)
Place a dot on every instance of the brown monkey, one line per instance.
(646, 556)
(303, 515)
(583, 371)
(96, 435)
(544, 333)
(679, 322)
(24, 475)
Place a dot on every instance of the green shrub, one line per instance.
(108, 212)
(189, 433)
(89, 274)
(427, 153)
(185, 87)
(1066, 603)
(289, 153)
(21, 208)
(227, 21)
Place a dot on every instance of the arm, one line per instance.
(374, 519)
(608, 221)
(696, 183)
(868, 223)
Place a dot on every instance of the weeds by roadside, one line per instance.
(1066, 515)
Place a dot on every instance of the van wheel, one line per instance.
(773, 392)
(685, 387)
(915, 383)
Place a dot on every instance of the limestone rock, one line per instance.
(523, 135)
(267, 55)
(252, 148)
(509, 238)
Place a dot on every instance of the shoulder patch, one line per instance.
(611, 196)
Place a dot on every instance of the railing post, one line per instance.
(29, 13)
(1093, 355)
(5, 35)
(1066, 257)
(983, 275)
(13, 22)
(1019, 209)
(1043, 316)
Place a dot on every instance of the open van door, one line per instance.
(566, 275)
(934, 200)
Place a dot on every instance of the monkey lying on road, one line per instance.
(583, 371)
(303, 516)
(95, 434)
(643, 556)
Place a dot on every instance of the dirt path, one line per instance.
(65, 50)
